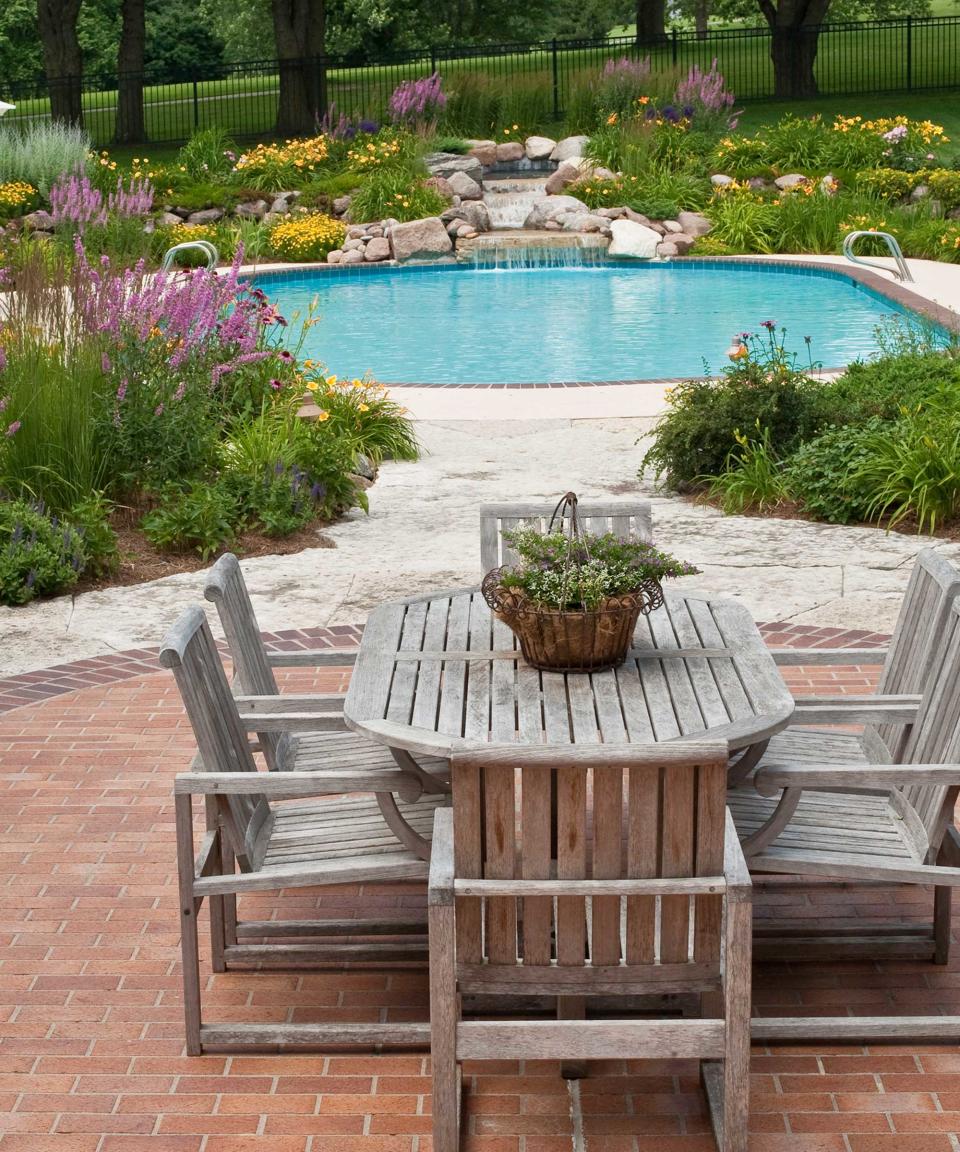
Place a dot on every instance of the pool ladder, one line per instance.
(902, 272)
(212, 255)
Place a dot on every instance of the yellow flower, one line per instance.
(330, 381)
(612, 118)
(516, 127)
(323, 415)
(312, 386)
(363, 407)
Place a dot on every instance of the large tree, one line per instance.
(299, 27)
(651, 21)
(62, 59)
(130, 127)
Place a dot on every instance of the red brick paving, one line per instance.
(91, 1055)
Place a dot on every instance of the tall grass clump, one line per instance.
(38, 155)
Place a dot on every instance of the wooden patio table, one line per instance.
(439, 671)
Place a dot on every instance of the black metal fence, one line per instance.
(866, 56)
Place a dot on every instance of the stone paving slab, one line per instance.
(422, 534)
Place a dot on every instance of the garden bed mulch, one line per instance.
(140, 561)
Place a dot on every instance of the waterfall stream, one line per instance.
(509, 201)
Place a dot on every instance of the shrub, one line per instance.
(282, 500)
(752, 477)
(944, 186)
(887, 183)
(39, 154)
(75, 202)
(329, 458)
(209, 152)
(275, 167)
(707, 97)
(394, 192)
(91, 518)
(660, 197)
(819, 475)
(743, 220)
(362, 411)
(306, 236)
(39, 555)
(202, 518)
(17, 198)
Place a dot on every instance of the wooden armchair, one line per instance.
(338, 839)
(646, 892)
(625, 518)
(869, 822)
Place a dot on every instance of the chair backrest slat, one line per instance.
(935, 738)
(916, 643)
(190, 652)
(625, 519)
(588, 812)
(227, 589)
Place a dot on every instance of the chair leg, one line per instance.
(736, 1064)
(444, 1013)
(189, 939)
(942, 914)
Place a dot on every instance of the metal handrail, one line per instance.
(212, 255)
(902, 273)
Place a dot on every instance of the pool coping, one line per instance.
(895, 291)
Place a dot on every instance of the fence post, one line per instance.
(433, 59)
(909, 53)
(556, 81)
(673, 45)
(196, 103)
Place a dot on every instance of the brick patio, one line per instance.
(91, 1055)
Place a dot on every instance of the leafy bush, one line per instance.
(887, 183)
(660, 197)
(280, 501)
(91, 518)
(199, 195)
(362, 411)
(276, 167)
(202, 518)
(209, 152)
(39, 555)
(752, 477)
(307, 236)
(820, 474)
(329, 459)
(394, 192)
(944, 186)
(39, 154)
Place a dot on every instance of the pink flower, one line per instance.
(4, 401)
(12, 430)
(122, 391)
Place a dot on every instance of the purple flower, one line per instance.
(285, 355)
(4, 401)
(122, 391)
(158, 411)
(105, 365)
(416, 102)
(12, 429)
(768, 324)
(3, 359)
(276, 384)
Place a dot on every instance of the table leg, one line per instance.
(745, 763)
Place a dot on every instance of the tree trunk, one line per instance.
(300, 30)
(793, 52)
(130, 124)
(651, 21)
(701, 12)
(62, 61)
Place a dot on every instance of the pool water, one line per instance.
(466, 324)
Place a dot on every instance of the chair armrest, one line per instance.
(735, 870)
(292, 721)
(315, 658)
(440, 883)
(291, 702)
(856, 710)
(810, 657)
(773, 778)
(284, 784)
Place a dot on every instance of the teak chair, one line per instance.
(279, 846)
(870, 822)
(648, 893)
(626, 519)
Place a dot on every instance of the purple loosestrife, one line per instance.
(624, 68)
(133, 201)
(418, 102)
(74, 200)
(12, 429)
(705, 93)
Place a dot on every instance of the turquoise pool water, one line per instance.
(455, 325)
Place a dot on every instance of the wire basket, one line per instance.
(571, 639)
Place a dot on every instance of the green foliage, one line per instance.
(39, 154)
(481, 105)
(752, 478)
(453, 144)
(203, 193)
(660, 197)
(202, 518)
(91, 518)
(887, 183)
(557, 571)
(365, 414)
(208, 154)
(329, 459)
(397, 193)
(744, 223)
(39, 555)
(820, 474)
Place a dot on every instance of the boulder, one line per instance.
(657, 227)
(829, 185)
(442, 186)
(465, 231)
(790, 180)
(633, 240)
(758, 184)
(539, 147)
(552, 226)
(353, 245)
(718, 180)
(40, 221)
(335, 256)
(953, 214)
(464, 186)
(377, 249)
(446, 163)
(281, 204)
(667, 248)
(671, 226)
(585, 222)
(510, 152)
(205, 216)
(475, 213)
(253, 209)
(354, 256)
(550, 207)
(340, 205)
(602, 173)
(568, 147)
(564, 175)
(485, 151)
(356, 232)
(453, 227)
(921, 192)
(694, 223)
(681, 241)
(374, 230)
(168, 220)
(636, 217)
(611, 213)
(420, 239)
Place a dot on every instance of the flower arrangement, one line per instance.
(306, 237)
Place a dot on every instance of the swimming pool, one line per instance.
(452, 324)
